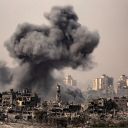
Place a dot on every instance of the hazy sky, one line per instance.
(108, 17)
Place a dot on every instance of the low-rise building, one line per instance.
(19, 100)
(9, 99)
(122, 103)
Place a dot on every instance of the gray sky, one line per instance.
(108, 17)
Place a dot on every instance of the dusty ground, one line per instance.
(19, 125)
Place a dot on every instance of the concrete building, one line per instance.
(26, 99)
(124, 78)
(96, 84)
(104, 85)
(9, 98)
(23, 96)
(122, 86)
(68, 80)
(122, 103)
(19, 100)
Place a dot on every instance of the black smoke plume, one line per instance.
(72, 94)
(41, 49)
(6, 75)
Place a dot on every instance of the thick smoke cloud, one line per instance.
(6, 74)
(40, 50)
(72, 94)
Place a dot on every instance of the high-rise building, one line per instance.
(123, 78)
(96, 84)
(122, 86)
(104, 85)
(68, 80)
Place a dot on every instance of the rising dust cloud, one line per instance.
(41, 49)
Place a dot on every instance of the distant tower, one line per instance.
(104, 85)
(58, 95)
(122, 88)
(68, 80)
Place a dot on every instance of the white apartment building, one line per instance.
(104, 84)
(68, 80)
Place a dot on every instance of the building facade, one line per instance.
(104, 85)
(9, 99)
(18, 100)
(122, 86)
(122, 103)
(68, 80)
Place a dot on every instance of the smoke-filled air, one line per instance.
(41, 49)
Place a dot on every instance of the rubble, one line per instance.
(25, 110)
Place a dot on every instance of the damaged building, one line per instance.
(17, 100)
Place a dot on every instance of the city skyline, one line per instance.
(109, 18)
